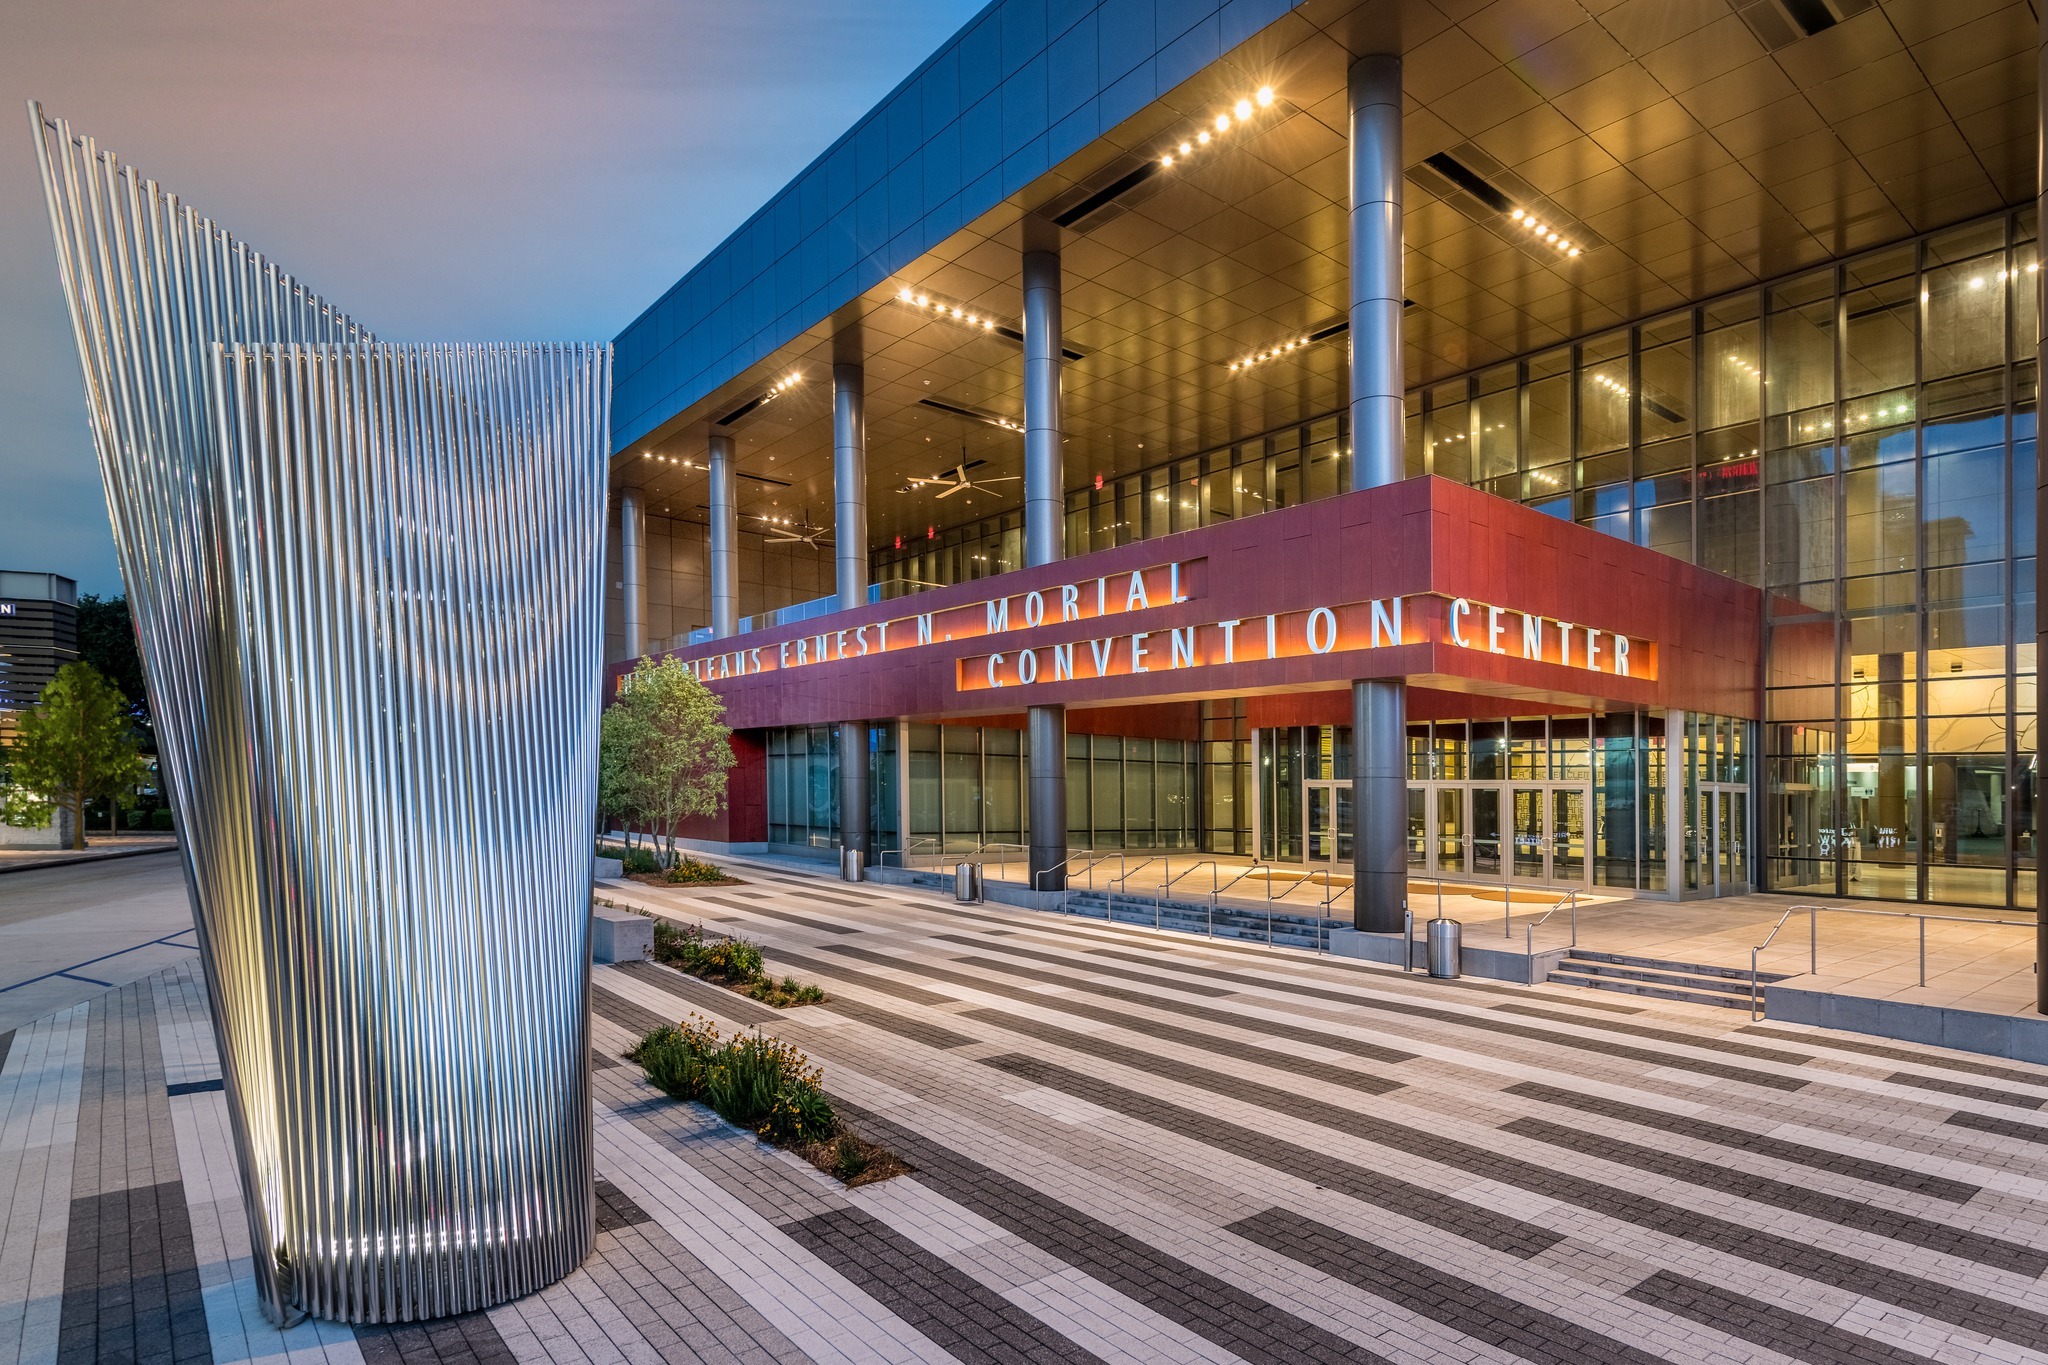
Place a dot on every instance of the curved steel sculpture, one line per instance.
(367, 585)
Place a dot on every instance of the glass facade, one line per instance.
(965, 788)
(1568, 800)
(1858, 440)
(803, 786)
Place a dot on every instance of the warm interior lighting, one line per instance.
(1549, 236)
(1240, 112)
(1270, 353)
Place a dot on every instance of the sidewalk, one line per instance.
(97, 848)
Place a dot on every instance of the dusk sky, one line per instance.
(444, 170)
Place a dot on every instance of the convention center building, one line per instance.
(1584, 446)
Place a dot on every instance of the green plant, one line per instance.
(800, 1114)
(746, 1077)
(160, 818)
(688, 871)
(849, 1157)
(639, 860)
(79, 741)
(663, 751)
(678, 1059)
(731, 960)
(785, 993)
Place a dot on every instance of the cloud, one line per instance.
(519, 169)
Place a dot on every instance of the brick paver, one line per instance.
(1127, 1147)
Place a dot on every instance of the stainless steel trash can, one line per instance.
(852, 864)
(967, 882)
(1444, 939)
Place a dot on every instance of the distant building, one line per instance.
(38, 635)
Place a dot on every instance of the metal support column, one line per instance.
(850, 537)
(725, 541)
(1045, 493)
(1045, 538)
(633, 571)
(1379, 735)
(2040, 504)
(1048, 797)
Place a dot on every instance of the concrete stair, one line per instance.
(1289, 929)
(1691, 982)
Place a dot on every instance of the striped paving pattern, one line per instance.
(1131, 1147)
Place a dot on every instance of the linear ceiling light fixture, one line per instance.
(994, 419)
(1208, 134)
(1549, 236)
(941, 309)
(754, 404)
(1290, 346)
(667, 459)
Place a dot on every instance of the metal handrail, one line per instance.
(1216, 892)
(1813, 914)
(1066, 889)
(1123, 874)
(1308, 879)
(1529, 930)
(1159, 893)
(1002, 855)
(1754, 1013)
(904, 854)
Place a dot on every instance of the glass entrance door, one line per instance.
(1545, 831)
(1326, 813)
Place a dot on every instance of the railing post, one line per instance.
(1923, 950)
(1752, 984)
(1813, 940)
(1407, 940)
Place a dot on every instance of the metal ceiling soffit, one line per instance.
(367, 585)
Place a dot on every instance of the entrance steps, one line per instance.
(1248, 924)
(1692, 982)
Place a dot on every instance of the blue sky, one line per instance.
(449, 170)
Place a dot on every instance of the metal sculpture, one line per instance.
(367, 585)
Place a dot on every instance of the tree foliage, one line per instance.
(663, 751)
(77, 743)
(106, 640)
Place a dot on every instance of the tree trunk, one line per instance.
(78, 825)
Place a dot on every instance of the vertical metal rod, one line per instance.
(1923, 949)
(1408, 941)
(1813, 942)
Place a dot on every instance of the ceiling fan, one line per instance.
(957, 480)
(783, 531)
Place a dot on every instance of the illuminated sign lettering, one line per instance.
(1356, 626)
(1108, 595)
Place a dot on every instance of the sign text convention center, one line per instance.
(1583, 452)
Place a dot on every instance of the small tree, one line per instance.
(618, 741)
(670, 749)
(77, 743)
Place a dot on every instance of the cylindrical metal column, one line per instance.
(850, 485)
(853, 788)
(1045, 541)
(1048, 862)
(1378, 451)
(1379, 788)
(1379, 708)
(725, 541)
(633, 570)
(850, 537)
(2041, 505)
(1045, 492)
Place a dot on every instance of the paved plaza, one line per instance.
(1126, 1147)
